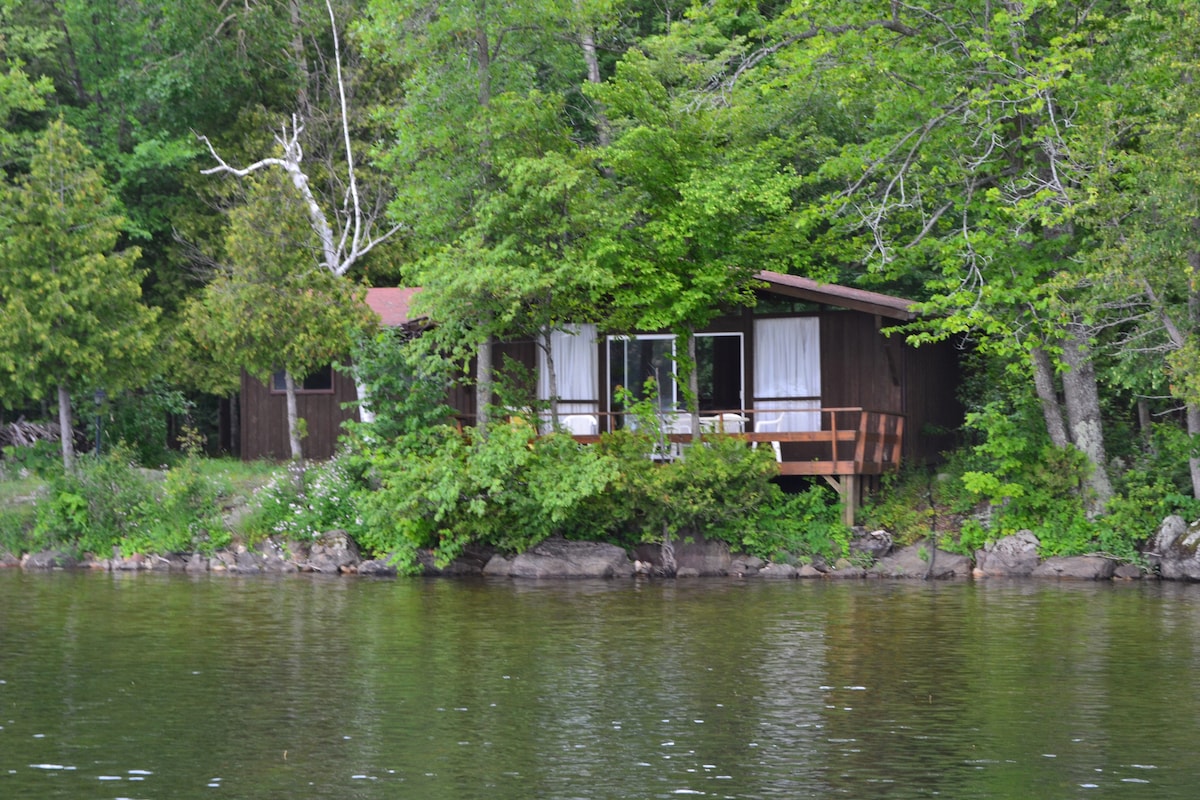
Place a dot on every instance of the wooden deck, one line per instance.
(852, 443)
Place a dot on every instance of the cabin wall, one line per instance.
(509, 358)
(935, 412)
(264, 432)
(860, 367)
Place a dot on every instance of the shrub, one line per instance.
(43, 457)
(90, 509)
(306, 502)
(798, 526)
(109, 502)
(446, 490)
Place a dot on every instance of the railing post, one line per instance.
(860, 446)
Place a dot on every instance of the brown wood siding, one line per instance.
(264, 419)
(857, 369)
(860, 367)
(935, 412)
(461, 396)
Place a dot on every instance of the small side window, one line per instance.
(319, 380)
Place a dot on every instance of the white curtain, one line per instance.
(576, 365)
(787, 373)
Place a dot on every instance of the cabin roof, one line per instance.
(833, 294)
(392, 304)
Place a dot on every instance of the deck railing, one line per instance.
(851, 441)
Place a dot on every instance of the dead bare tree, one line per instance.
(348, 233)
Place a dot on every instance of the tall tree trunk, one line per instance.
(551, 375)
(693, 382)
(592, 61)
(1193, 307)
(65, 428)
(235, 423)
(1083, 414)
(366, 413)
(293, 420)
(1044, 383)
(1193, 429)
(1178, 338)
(483, 385)
(302, 103)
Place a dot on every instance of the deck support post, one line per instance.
(848, 488)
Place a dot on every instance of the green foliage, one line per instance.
(802, 525)
(70, 302)
(95, 506)
(16, 522)
(40, 458)
(715, 489)
(450, 489)
(405, 385)
(305, 502)
(139, 419)
(109, 502)
(444, 490)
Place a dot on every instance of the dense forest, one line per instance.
(194, 187)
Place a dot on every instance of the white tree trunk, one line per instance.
(1193, 429)
(693, 398)
(293, 420)
(66, 429)
(1083, 415)
(338, 252)
(483, 385)
(365, 412)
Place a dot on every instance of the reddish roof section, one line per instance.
(842, 296)
(392, 305)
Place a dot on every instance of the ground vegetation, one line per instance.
(1024, 171)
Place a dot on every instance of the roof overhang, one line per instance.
(832, 294)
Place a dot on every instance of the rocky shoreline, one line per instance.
(1171, 554)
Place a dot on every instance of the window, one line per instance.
(634, 359)
(575, 370)
(319, 380)
(787, 373)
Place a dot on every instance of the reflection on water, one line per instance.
(150, 686)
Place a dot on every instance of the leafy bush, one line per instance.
(43, 457)
(109, 502)
(139, 420)
(798, 526)
(92, 508)
(306, 502)
(16, 522)
(405, 386)
(447, 489)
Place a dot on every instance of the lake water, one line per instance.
(153, 686)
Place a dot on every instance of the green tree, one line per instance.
(274, 306)
(1145, 204)
(71, 316)
(698, 206)
(490, 175)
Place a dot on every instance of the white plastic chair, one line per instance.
(680, 425)
(723, 423)
(770, 425)
(581, 424)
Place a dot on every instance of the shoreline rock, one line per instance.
(1173, 553)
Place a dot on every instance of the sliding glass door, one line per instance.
(633, 360)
